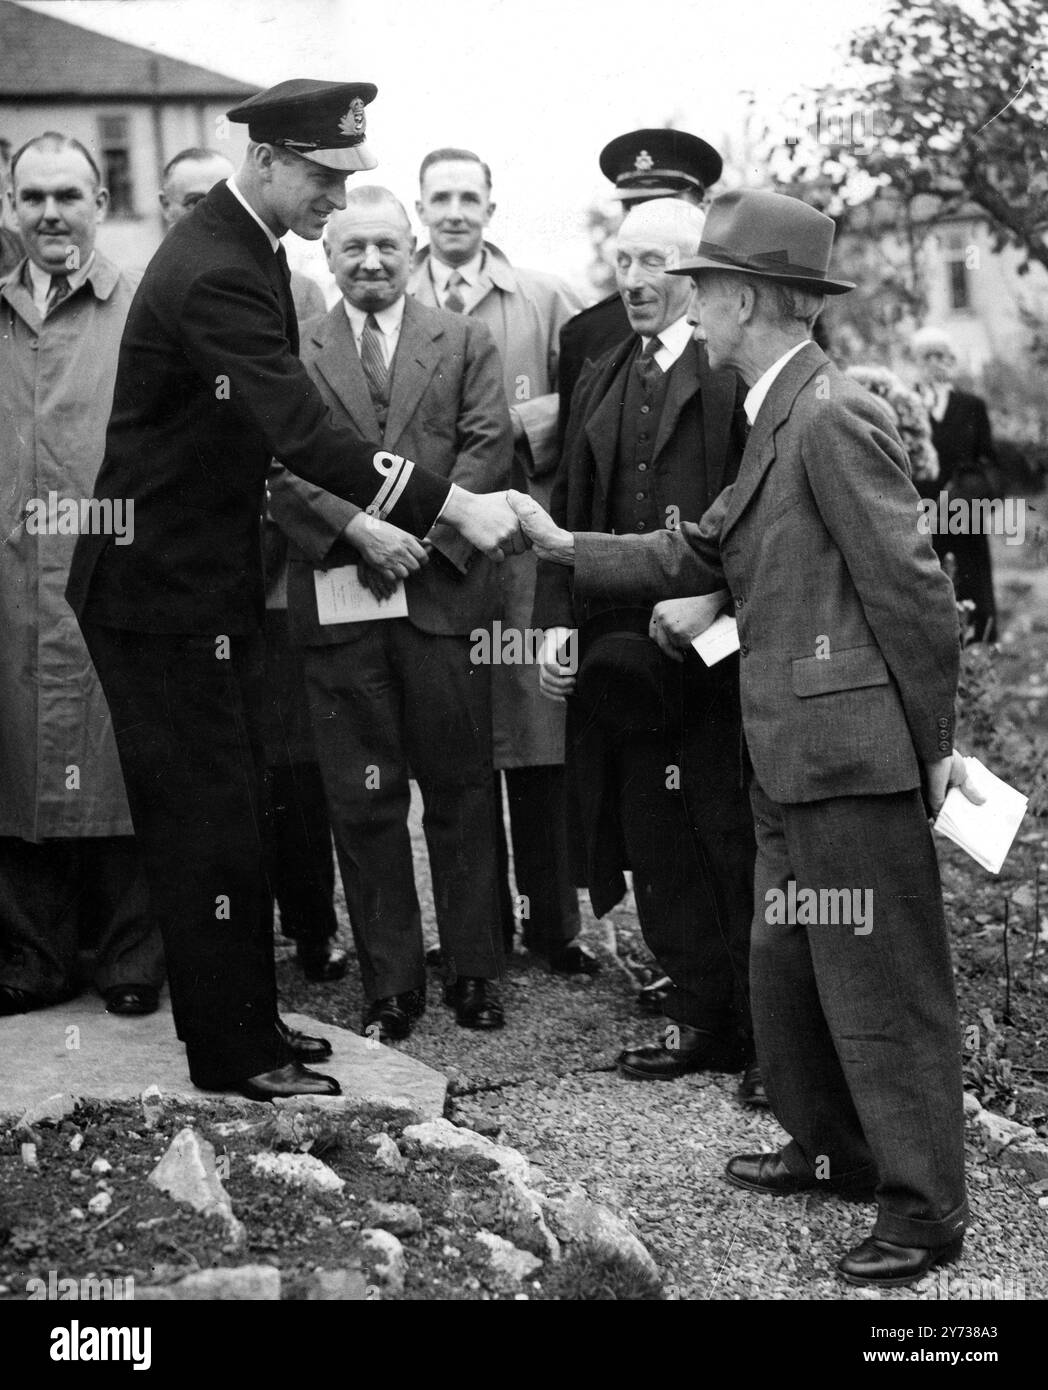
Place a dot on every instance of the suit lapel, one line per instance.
(414, 362)
(760, 447)
(602, 427)
(682, 385)
(339, 363)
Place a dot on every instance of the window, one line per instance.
(957, 284)
(960, 297)
(114, 142)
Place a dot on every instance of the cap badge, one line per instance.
(352, 123)
(643, 162)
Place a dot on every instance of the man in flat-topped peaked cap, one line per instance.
(642, 164)
(209, 389)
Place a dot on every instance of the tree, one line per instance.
(947, 104)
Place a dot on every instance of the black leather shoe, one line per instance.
(477, 1003)
(292, 1080)
(323, 962)
(573, 959)
(393, 1016)
(304, 1048)
(751, 1092)
(18, 1001)
(652, 998)
(882, 1265)
(767, 1173)
(132, 999)
(697, 1051)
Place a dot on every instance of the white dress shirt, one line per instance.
(674, 339)
(40, 281)
(273, 240)
(760, 388)
(388, 320)
(470, 292)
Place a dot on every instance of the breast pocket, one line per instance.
(849, 669)
(782, 505)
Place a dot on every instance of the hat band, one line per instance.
(641, 176)
(345, 142)
(776, 261)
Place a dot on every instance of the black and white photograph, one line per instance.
(523, 669)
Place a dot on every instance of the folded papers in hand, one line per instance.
(985, 832)
(719, 640)
(341, 598)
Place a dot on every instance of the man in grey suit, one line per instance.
(849, 658)
(399, 696)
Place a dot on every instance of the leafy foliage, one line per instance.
(957, 107)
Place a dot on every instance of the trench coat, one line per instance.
(59, 772)
(525, 311)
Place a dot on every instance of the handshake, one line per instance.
(497, 523)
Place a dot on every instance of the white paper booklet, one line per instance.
(985, 832)
(719, 640)
(341, 598)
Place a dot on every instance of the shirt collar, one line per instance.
(40, 280)
(758, 391)
(388, 319)
(274, 241)
(470, 272)
(674, 338)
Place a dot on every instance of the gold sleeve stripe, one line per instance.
(402, 481)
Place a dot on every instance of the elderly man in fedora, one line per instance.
(849, 657)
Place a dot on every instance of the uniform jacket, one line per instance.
(59, 773)
(700, 428)
(848, 630)
(447, 406)
(525, 311)
(208, 389)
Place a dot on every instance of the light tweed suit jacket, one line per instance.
(847, 623)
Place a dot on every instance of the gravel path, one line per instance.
(656, 1151)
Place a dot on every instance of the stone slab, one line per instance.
(79, 1049)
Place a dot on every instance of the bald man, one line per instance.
(654, 743)
(402, 695)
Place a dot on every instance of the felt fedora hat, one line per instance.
(769, 235)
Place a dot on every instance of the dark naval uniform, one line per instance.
(209, 388)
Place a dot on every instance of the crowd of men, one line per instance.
(330, 504)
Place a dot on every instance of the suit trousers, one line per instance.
(63, 896)
(538, 817)
(689, 842)
(856, 1024)
(301, 859)
(186, 716)
(394, 703)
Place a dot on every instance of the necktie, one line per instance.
(374, 363)
(58, 291)
(647, 368)
(290, 317)
(453, 299)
